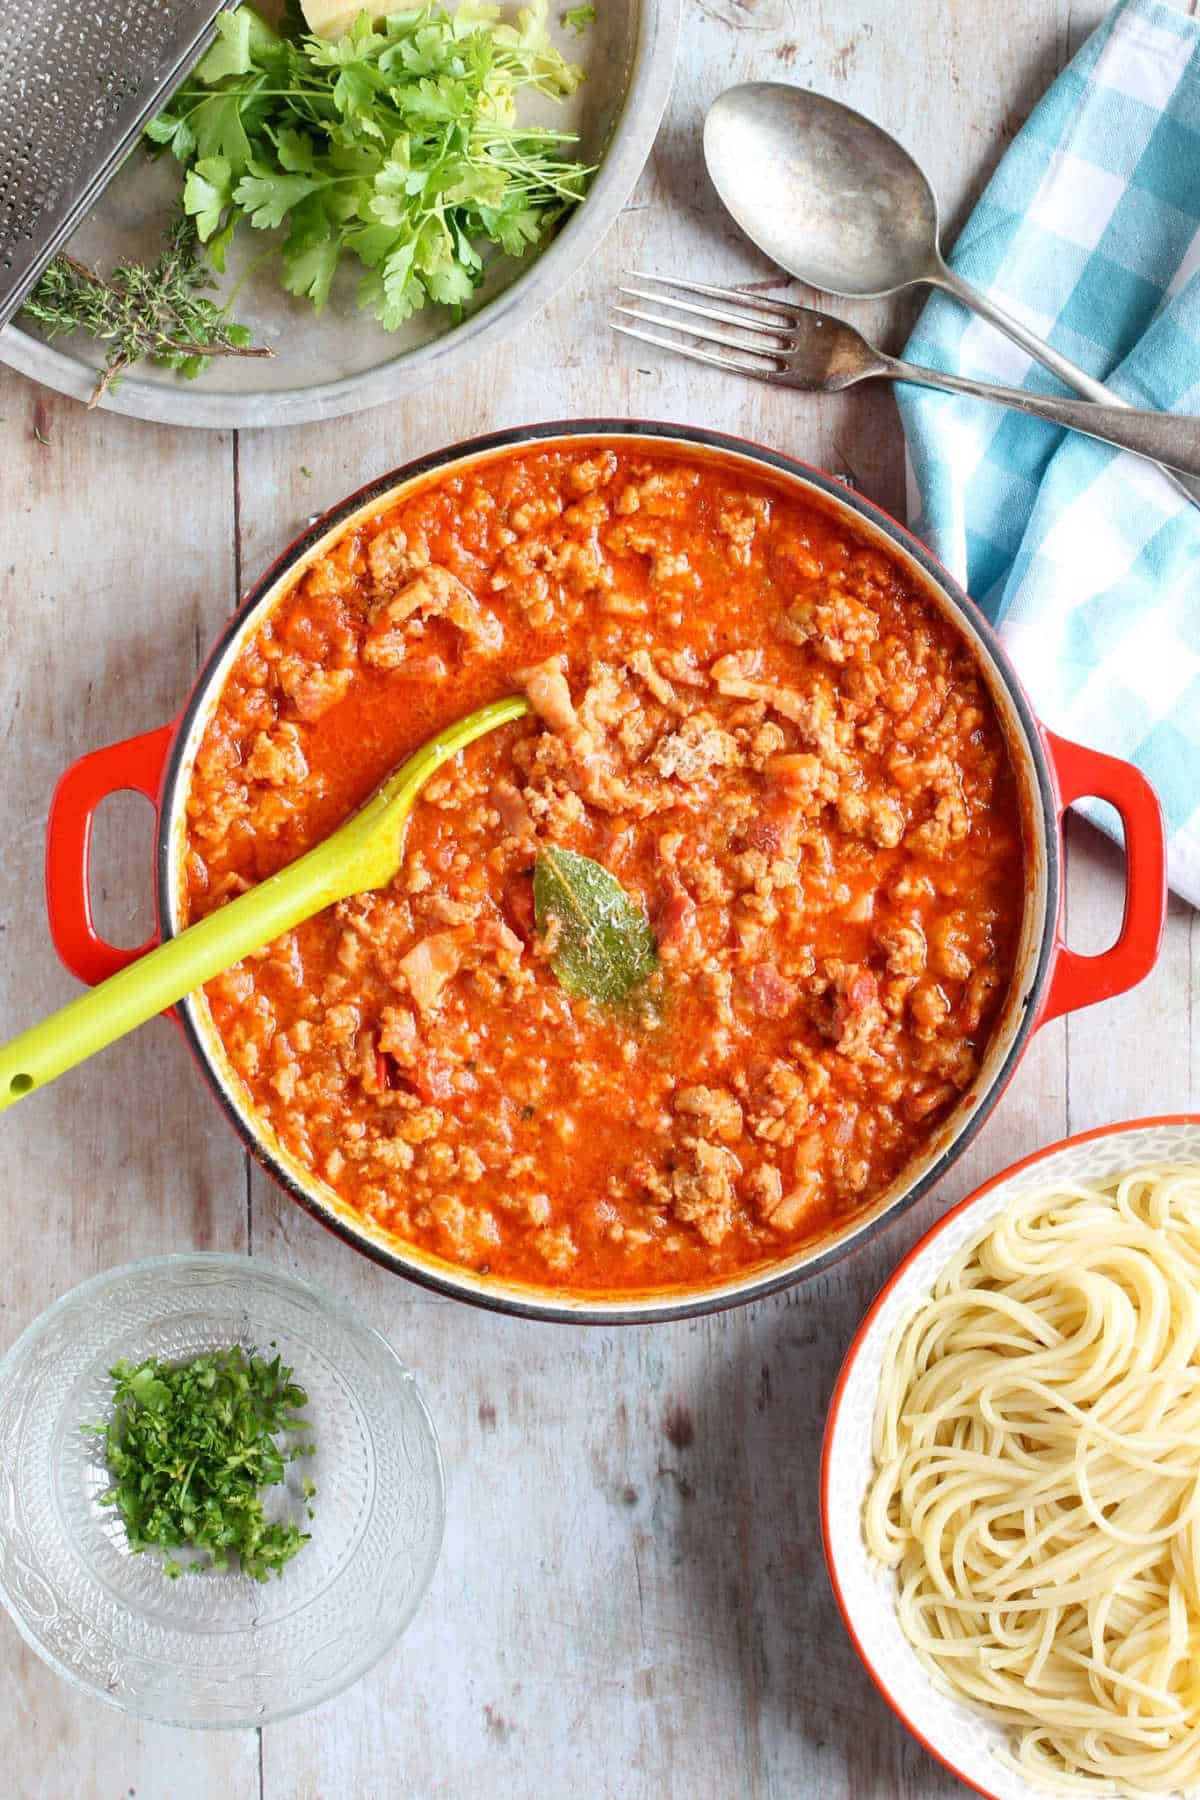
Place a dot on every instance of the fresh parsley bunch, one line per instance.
(396, 145)
(190, 1447)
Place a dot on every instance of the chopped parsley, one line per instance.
(189, 1449)
(578, 18)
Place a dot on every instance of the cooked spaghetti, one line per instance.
(1037, 1484)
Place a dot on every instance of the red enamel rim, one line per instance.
(856, 1344)
(1057, 980)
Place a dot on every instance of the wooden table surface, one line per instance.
(631, 1601)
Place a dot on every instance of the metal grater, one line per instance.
(78, 80)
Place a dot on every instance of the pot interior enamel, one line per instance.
(1009, 1033)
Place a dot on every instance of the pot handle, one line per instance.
(136, 764)
(1081, 980)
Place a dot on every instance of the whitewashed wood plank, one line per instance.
(117, 556)
(1132, 1057)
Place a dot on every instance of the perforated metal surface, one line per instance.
(78, 80)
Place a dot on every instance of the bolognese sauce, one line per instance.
(753, 720)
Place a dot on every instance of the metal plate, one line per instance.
(343, 362)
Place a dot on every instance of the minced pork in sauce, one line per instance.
(753, 721)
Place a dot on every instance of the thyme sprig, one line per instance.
(157, 310)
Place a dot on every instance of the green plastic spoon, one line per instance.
(363, 853)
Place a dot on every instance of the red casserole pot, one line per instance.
(1050, 978)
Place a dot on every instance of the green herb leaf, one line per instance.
(190, 1447)
(603, 947)
(176, 132)
(267, 196)
(207, 192)
(578, 18)
(232, 54)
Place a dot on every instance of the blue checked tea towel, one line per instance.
(1085, 558)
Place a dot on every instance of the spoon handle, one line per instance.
(363, 853)
(163, 976)
(1172, 439)
(1069, 373)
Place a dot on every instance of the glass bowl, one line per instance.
(214, 1649)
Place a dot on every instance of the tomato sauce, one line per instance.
(747, 715)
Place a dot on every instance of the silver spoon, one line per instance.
(796, 346)
(833, 199)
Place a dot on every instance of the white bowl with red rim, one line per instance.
(962, 1737)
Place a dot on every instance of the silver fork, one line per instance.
(799, 347)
